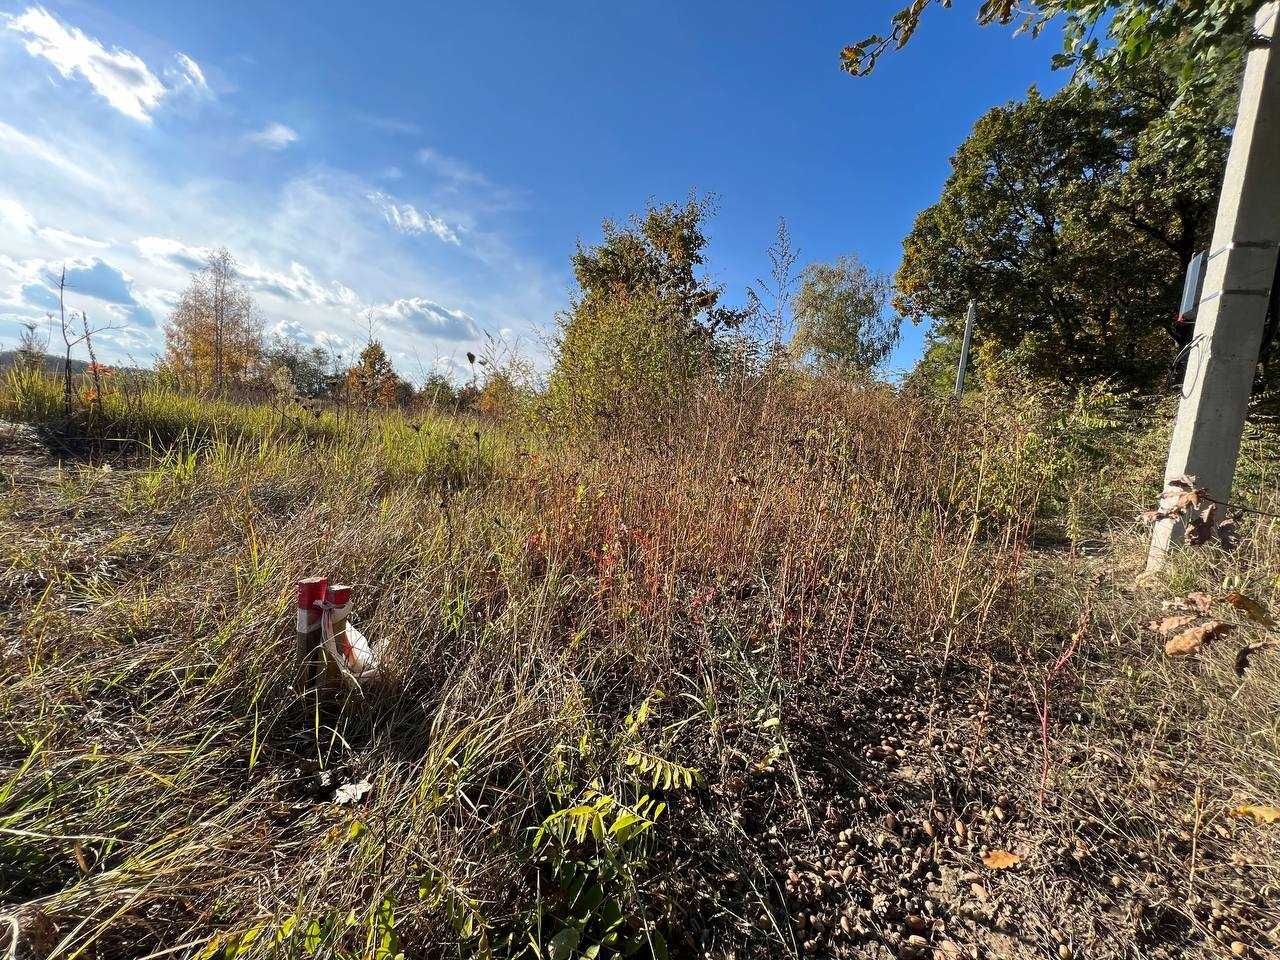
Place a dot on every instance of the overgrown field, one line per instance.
(808, 668)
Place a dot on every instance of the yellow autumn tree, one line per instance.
(213, 338)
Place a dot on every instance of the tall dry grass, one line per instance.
(165, 789)
(564, 620)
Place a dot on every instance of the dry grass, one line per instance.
(164, 790)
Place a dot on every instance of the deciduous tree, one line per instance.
(840, 316)
(213, 339)
(644, 321)
(1071, 228)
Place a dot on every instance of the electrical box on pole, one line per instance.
(1193, 288)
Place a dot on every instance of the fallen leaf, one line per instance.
(1259, 814)
(1189, 641)
(351, 792)
(1250, 607)
(1001, 860)
(1171, 625)
(1198, 600)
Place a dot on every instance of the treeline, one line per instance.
(216, 345)
(644, 326)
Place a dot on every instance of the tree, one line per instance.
(309, 368)
(213, 340)
(373, 381)
(1071, 229)
(438, 391)
(658, 255)
(32, 348)
(1136, 31)
(840, 316)
(644, 322)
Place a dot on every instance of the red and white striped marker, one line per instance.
(311, 594)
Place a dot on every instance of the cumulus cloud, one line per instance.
(92, 277)
(425, 318)
(406, 218)
(274, 136)
(297, 283)
(119, 76)
(290, 330)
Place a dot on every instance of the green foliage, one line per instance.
(597, 847)
(659, 255)
(1043, 196)
(621, 358)
(644, 322)
(1136, 30)
(840, 316)
(310, 369)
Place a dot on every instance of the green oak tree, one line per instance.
(1071, 220)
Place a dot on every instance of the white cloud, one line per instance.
(18, 142)
(332, 341)
(188, 73)
(274, 136)
(16, 217)
(451, 168)
(298, 283)
(119, 76)
(19, 222)
(423, 317)
(165, 251)
(406, 218)
(89, 277)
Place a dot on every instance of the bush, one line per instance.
(624, 358)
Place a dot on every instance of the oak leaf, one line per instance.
(1260, 814)
(1000, 860)
(1189, 641)
(1250, 607)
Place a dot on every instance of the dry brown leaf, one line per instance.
(1259, 814)
(1199, 600)
(1250, 607)
(1001, 860)
(1171, 625)
(1189, 641)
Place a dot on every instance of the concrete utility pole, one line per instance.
(1222, 357)
(964, 347)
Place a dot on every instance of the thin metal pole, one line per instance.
(964, 347)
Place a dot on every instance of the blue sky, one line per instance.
(426, 169)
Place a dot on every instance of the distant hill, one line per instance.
(53, 364)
